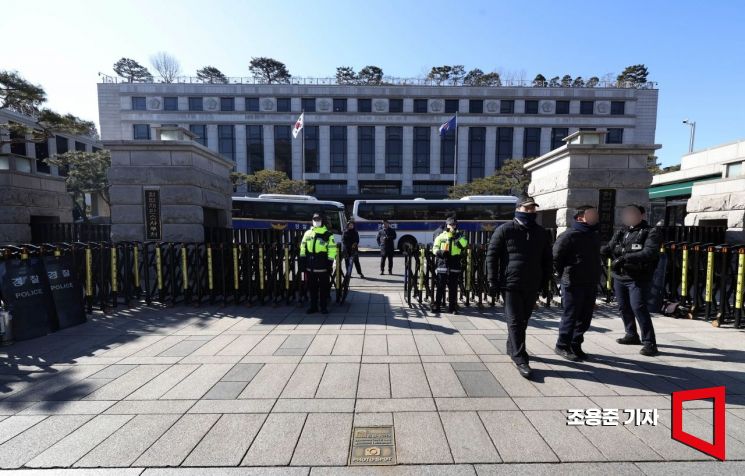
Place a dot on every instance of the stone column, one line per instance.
(212, 141)
(407, 167)
(490, 151)
(518, 138)
(268, 147)
(352, 160)
(545, 140)
(379, 149)
(241, 158)
(324, 148)
(462, 168)
(434, 151)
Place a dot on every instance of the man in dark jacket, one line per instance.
(518, 262)
(350, 241)
(634, 250)
(386, 240)
(577, 262)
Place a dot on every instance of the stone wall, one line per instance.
(719, 200)
(23, 195)
(190, 178)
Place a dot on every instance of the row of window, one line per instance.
(41, 150)
(366, 147)
(395, 105)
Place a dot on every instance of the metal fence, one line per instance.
(69, 232)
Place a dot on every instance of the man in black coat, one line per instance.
(350, 241)
(386, 240)
(577, 263)
(518, 262)
(635, 250)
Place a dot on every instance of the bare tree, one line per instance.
(166, 65)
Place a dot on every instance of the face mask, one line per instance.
(316, 223)
(526, 217)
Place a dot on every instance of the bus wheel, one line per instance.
(407, 243)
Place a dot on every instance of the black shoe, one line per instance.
(362, 276)
(390, 272)
(324, 311)
(566, 353)
(649, 350)
(524, 370)
(453, 310)
(312, 310)
(382, 272)
(629, 340)
(435, 309)
(580, 353)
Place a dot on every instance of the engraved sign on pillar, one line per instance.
(607, 212)
(153, 223)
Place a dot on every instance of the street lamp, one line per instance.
(692, 124)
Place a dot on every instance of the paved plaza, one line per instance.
(268, 390)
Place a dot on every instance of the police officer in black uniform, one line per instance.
(634, 250)
(386, 241)
(518, 261)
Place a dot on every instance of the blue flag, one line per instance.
(451, 124)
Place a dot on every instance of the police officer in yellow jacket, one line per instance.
(449, 248)
(318, 251)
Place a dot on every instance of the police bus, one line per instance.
(286, 212)
(416, 221)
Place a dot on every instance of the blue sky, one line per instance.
(695, 50)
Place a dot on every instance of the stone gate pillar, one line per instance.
(167, 189)
(587, 171)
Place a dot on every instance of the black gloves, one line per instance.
(617, 264)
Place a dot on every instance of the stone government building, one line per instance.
(376, 140)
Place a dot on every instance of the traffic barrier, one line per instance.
(101, 276)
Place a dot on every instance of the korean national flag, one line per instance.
(451, 124)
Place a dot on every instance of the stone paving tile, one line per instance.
(374, 381)
(225, 390)
(475, 404)
(299, 471)
(693, 468)
(17, 424)
(268, 345)
(469, 442)
(554, 403)
(134, 407)
(401, 345)
(176, 443)
(227, 441)
(113, 371)
(120, 387)
(428, 345)
(263, 405)
(241, 373)
(124, 446)
(480, 383)
(314, 405)
(269, 382)
(75, 445)
(197, 383)
(373, 419)
(515, 437)
(443, 381)
(618, 443)
(324, 440)
(454, 345)
(338, 381)
(566, 441)
(321, 345)
(241, 345)
(304, 381)
(182, 349)
(560, 469)
(420, 439)
(276, 441)
(67, 408)
(348, 345)
(408, 381)
(375, 345)
(401, 470)
(165, 381)
(25, 446)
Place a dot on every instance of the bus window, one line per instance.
(333, 221)
(383, 211)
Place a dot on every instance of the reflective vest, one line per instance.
(318, 248)
(456, 244)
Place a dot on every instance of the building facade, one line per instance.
(708, 190)
(376, 140)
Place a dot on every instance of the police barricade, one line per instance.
(421, 283)
(53, 286)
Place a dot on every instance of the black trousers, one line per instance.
(319, 287)
(518, 306)
(389, 257)
(451, 280)
(356, 259)
(632, 297)
(579, 304)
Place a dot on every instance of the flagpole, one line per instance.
(455, 152)
(302, 150)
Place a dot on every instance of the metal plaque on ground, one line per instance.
(372, 445)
